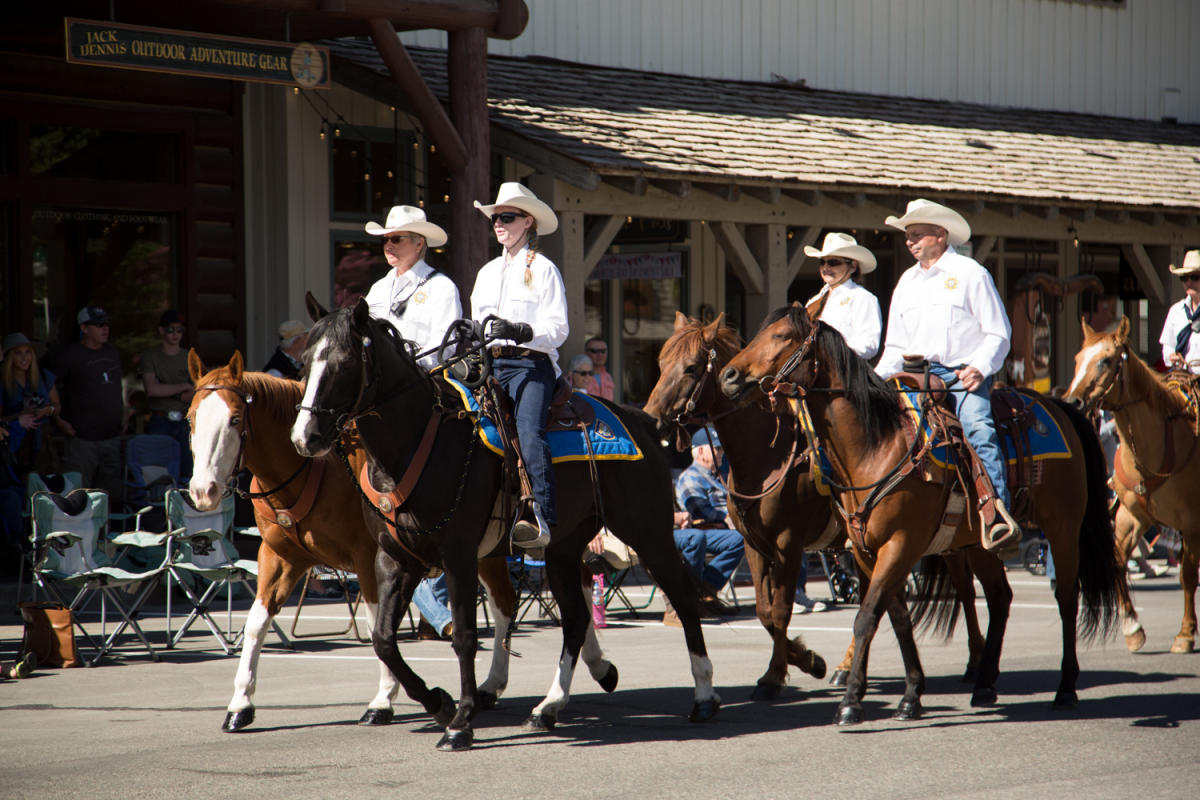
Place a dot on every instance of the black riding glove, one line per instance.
(519, 332)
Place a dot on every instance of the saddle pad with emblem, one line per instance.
(610, 439)
(1046, 439)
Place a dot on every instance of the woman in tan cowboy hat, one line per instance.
(417, 299)
(525, 290)
(850, 309)
(1179, 339)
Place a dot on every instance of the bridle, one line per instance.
(777, 385)
(243, 431)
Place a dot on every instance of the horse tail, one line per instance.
(1102, 580)
(934, 605)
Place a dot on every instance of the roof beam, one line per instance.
(543, 159)
(629, 184)
(730, 192)
(1147, 275)
(597, 239)
(806, 238)
(764, 194)
(985, 248)
(811, 197)
(739, 255)
(680, 189)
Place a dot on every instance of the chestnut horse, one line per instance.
(1157, 466)
(242, 419)
(773, 502)
(861, 423)
(359, 368)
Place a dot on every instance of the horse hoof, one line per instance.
(540, 723)
(908, 710)
(1135, 641)
(815, 666)
(764, 692)
(839, 678)
(452, 741)
(609, 682)
(849, 715)
(486, 701)
(1182, 644)
(704, 710)
(377, 716)
(970, 675)
(236, 720)
(444, 713)
(1066, 699)
(983, 697)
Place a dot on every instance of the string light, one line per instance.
(295, 90)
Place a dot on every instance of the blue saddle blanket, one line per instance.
(610, 439)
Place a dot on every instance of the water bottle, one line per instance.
(598, 602)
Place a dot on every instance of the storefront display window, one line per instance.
(65, 151)
(371, 170)
(357, 263)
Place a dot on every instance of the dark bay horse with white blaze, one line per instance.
(312, 515)
(358, 368)
(863, 428)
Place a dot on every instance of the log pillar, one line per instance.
(469, 232)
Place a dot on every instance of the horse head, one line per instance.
(218, 418)
(688, 364)
(1099, 364)
(774, 357)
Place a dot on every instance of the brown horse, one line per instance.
(243, 419)
(863, 428)
(1157, 467)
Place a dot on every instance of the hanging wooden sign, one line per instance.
(113, 44)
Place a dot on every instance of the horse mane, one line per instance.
(872, 399)
(275, 396)
(685, 346)
(1162, 401)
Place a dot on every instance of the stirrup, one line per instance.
(1004, 536)
(531, 535)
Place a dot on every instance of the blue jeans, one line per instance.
(974, 410)
(433, 601)
(726, 547)
(530, 383)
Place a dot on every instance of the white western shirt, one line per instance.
(950, 313)
(432, 304)
(500, 289)
(853, 312)
(1172, 325)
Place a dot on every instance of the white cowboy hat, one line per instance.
(517, 196)
(408, 219)
(1191, 264)
(928, 212)
(846, 246)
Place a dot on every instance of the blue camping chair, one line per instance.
(152, 464)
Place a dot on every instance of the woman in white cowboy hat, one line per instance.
(849, 308)
(417, 299)
(946, 308)
(1180, 337)
(525, 291)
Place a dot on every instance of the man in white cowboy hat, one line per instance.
(525, 291)
(849, 309)
(946, 308)
(1180, 337)
(417, 299)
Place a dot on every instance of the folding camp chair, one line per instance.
(70, 555)
(34, 483)
(350, 593)
(200, 551)
(152, 464)
(617, 564)
(529, 580)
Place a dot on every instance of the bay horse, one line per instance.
(773, 500)
(1157, 466)
(243, 419)
(359, 368)
(862, 424)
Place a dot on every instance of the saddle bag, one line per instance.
(49, 634)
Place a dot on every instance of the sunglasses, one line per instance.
(834, 262)
(403, 237)
(584, 372)
(1188, 278)
(97, 324)
(597, 349)
(175, 329)
(507, 217)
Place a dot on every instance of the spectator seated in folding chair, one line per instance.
(200, 552)
(69, 551)
(152, 464)
(609, 556)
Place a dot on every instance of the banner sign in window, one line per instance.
(111, 44)
(629, 266)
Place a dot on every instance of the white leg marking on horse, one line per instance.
(246, 679)
(388, 685)
(497, 679)
(560, 689)
(305, 420)
(214, 449)
(702, 673)
(1132, 625)
(1085, 364)
(591, 653)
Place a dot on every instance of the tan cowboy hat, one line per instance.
(290, 328)
(515, 195)
(408, 219)
(846, 246)
(927, 212)
(1191, 264)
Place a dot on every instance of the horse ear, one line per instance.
(195, 365)
(236, 366)
(1087, 329)
(1123, 331)
(362, 313)
(315, 309)
(681, 321)
(710, 330)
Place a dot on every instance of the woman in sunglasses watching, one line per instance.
(525, 290)
(850, 309)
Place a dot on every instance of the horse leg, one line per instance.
(562, 572)
(1189, 561)
(866, 622)
(603, 671)
(462, 578)
(276, 579)
(1129, 531)
(774, 588)
(964, 588)
(841, 672)
(990, 571)
(502, 600)
(379, 710)
(914, 677)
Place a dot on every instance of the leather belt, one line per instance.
(505, 351)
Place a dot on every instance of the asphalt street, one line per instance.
(134, 728)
